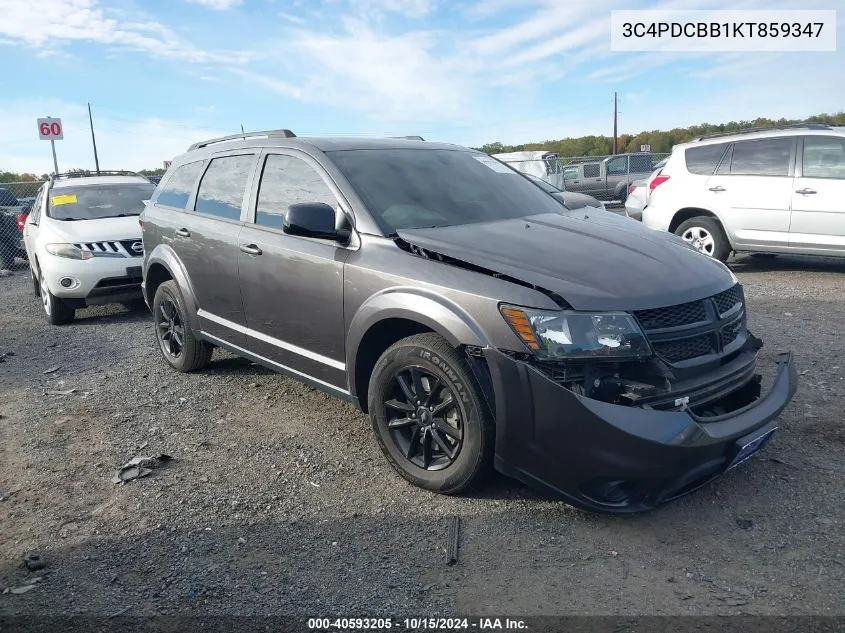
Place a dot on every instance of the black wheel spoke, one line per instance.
(419, 391)
(406, 389)
(399, 423)
(413, 444)
(442, 406)
(448, 451)
(443, 426)
(426, 448)
(400, 406)
(436, 387)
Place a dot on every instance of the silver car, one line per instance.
(776, 190)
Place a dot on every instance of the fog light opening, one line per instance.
(68, 282)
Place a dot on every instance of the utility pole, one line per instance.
(614, 123)
(93, 140)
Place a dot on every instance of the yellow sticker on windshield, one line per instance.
(68, 198)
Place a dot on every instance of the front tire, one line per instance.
(57, 311)
(706, 235)
(180, 348)
(429, 415)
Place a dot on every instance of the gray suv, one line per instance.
(479, 323)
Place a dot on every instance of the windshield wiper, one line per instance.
(123, 215)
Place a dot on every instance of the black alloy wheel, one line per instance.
(171, 330)
(424, 419)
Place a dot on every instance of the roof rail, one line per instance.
(408, 138)
(244, 136)
(799, 126)
(88, 173)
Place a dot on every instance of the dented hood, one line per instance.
(594, 259)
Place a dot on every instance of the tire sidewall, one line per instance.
(455, 377)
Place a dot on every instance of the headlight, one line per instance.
(68, 250)
(574, 335)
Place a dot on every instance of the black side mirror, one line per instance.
(314, 219)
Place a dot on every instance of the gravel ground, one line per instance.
(278, 500)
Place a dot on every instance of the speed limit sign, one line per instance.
(50, 129)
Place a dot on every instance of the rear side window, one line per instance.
(763, 157)
(592, 170)
(642, 163)
(617, 166)
(178, 189)
(288, 180)
(222, 188)
(824, 157)
(704, 160)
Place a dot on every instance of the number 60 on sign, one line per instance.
(50, 129)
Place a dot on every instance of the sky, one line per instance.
(162, 74)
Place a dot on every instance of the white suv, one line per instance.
(776, 190)
(83, 241)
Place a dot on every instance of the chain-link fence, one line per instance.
(16, 200)
(604, 177)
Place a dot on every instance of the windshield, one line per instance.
(94, 202)
(416, 188)
(545, 186)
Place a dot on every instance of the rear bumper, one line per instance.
(612, 458)
(655, 217)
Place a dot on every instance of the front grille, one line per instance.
(118, 248)
(684, 349)
(731, 331)
(726, 300)
(673, 316)
(696, 329)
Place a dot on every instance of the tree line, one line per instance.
(11, 176)
(661, 141)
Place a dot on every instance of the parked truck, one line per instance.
(607, 178)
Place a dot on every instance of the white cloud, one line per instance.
(408, 8)
(218, 5)
(122, 142)
(47, 25)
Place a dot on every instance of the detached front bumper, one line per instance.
(614, 458)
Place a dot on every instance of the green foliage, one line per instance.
(661, 141)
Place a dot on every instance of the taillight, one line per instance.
(21, 221)
(631, 188)
(658, 180)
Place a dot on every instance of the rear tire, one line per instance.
(175, 338)
(57, 311)
(429, 415)
(706, 235)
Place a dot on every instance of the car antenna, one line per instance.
(242, 131)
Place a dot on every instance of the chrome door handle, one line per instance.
(183, 233)
(250, 249)
(717, 188)
(805, 191)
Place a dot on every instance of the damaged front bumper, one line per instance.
(615, 458)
